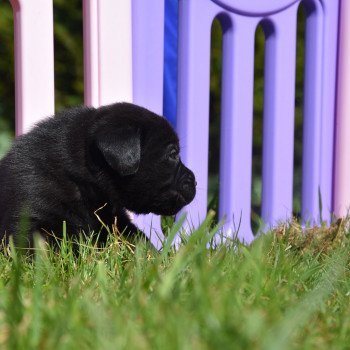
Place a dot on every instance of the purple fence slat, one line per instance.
(111, 31)
(239, 20)
(312, 111)
(148, 42)
(277, 188)
(195, 18)
(236, 125)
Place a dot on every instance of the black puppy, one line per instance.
(119, 157)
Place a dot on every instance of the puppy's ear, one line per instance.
(121, 149)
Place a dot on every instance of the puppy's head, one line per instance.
(141, 150)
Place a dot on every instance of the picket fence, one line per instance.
(123, 61)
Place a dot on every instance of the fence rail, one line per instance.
(123, 55)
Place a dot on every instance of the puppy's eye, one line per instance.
(174, 155)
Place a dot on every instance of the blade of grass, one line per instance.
(297, 316)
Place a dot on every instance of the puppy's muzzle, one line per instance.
(187, 185)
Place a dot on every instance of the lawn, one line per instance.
(288, 290)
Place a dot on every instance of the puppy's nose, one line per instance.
(189, 181)
(188, 187)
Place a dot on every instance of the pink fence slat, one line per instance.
(195, 18)
(115, 51)
(34, 73)
(278, 139)
(91, 53)
(342, 154)
(236, 126)
(330, 33)
(108, 51)
(330, 54)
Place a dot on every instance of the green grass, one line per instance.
(288, 290)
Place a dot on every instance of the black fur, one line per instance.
(121, 156)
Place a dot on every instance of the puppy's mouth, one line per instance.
(169, 198)
(171, 202)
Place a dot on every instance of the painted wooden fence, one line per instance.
(123, 53)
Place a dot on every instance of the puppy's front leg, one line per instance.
(128, 230)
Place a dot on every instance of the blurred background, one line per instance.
(68, 43)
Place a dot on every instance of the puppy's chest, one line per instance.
(96, 206)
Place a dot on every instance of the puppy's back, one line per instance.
(35, 161)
